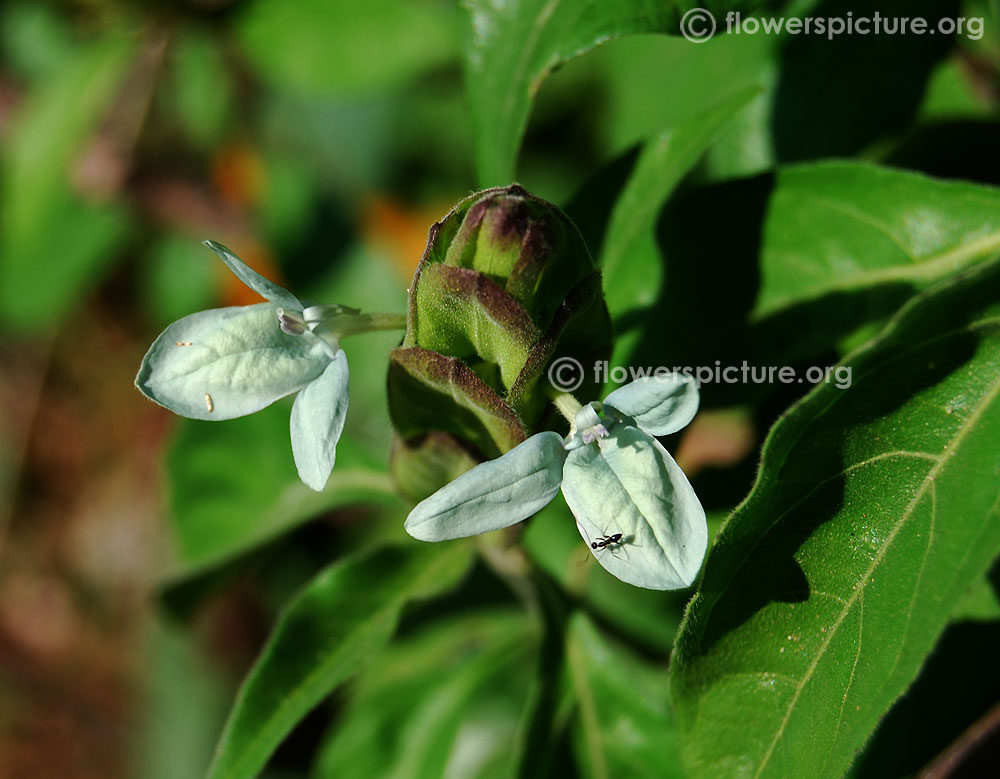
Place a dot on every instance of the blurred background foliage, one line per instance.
(320, 139)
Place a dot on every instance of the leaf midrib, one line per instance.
(389, 612)
(252, 753)
(858, 590)
(762, 476)
(924, 269)
(521, 67)
(345, 479)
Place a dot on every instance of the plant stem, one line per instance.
(566, 403)
(367, 323)
(388, 321)
(344, 325)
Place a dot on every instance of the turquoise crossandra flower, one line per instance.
(633, 505)
(230, 362)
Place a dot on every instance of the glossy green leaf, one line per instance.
(874, 93)
(875, 508)
(951, 700)
(228, 362)
(660, 405)
(234, 488)
(493, 495)
(627, 483)
(840, 226)
(809, 254)
(327, 632)
(626, 727)
(638, 107)
(406, 719)
(630, 257)
(317, 421)
(512, 46)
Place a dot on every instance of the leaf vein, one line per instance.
(866, 577)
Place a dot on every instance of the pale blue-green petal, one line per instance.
(228, 362)
(627, 483)
(660, 405)
(317, 422)
(266, 288)
(494, 494)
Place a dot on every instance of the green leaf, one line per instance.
(875, 508)
(36, 40)
(948, 702)
(30, 301)
(493, 495)
(630, 258)
(51, 128)
(637, 108)
(512, 46)
(38, 207)
(981, 601)
(185, 696)
(233, 488)
(873, 94)
(327, 47)
(406, 719)
(227, 363)
(198, 87)
(341, 618)
(175, 279)
(539, 745)
(842, 226)
(809, 254)
(626, 484)
(317, 421)
(626, 727)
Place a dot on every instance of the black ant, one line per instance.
(613, 542)
(605, 541)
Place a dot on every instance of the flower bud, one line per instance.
(505, 286)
